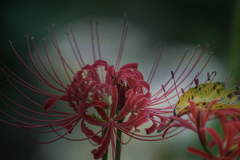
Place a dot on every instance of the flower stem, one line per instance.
(105, 156)
(206, 149)
(118, 145)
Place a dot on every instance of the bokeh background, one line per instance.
(179, 24)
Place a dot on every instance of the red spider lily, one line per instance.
(229, 147)
(122, 93)
(198, 120)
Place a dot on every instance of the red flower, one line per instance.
(110, 122)
(112, 92)
(229, 147)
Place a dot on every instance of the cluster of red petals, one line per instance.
(89, 92)
(229, 146)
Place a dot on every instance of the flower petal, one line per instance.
(228, 138)
(141, 118)
(140, 100)
(98, 153)
(211, 144)
(216, 138)
(49, 103)
(129, 65)
(144, 84)
(67, 125)
(234, 153)
(96, 103)
(201, 153)
(184, 123)
(205, 115)
(151, 129)
(193, 109)
(89, 133)
(89, 118)
(89, 88)
(102, 113)
(126, 109)
(78, 75)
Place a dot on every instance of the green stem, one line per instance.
(118, 145)
(206, 149)
(105, 156)
(234, 41)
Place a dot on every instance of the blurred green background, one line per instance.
(175, 22)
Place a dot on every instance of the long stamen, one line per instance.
(92, 40)
(166, 97)
(156, 63)
(174, 83)
(31, 99)
(29, 50)
(74, 52)
(122, 42)
(80, 139)
(64, 63)
(214, 74)
(34, 89)
(159, 92)
(228, 78)
(44, 65)
(49, 61)
(99, 50)
(56, 138)
(122, 47)
(50, 85)
(48, 115)
(170, 89)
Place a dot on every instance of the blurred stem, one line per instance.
(118, 143)
(105, 156)
(206, 149)
(234, 41)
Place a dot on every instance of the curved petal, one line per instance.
(102, 85)
(216, 138)
(129, 65)
(78, 76)
(234, 153)
(102, 113)
(141, 121)
(151, 129)
(127, 125)
(95, 96)
(145, 84)
(67, 125)
(201, 153)
(228, 138)
(139, 101)
(205, 115)
(89, 118)
(98, 153)
(184, 123)
(141, 118)
(99, 63)
(126, 109)
(96, 103)
(49, 103)
(193, 109)
(88, 89)
(89, 133)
